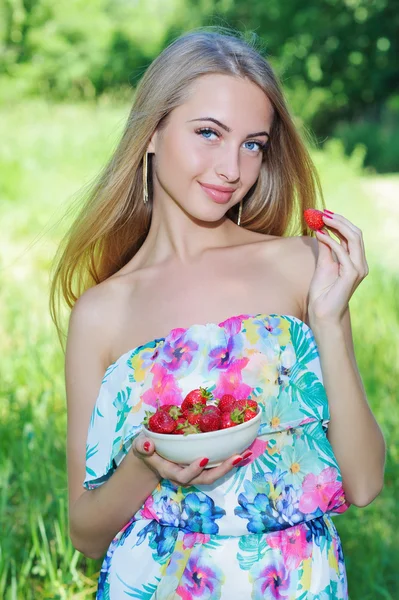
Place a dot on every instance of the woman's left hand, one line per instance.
(334, 281)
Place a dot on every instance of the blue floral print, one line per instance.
(199, 514)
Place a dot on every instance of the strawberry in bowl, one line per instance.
(222, 427)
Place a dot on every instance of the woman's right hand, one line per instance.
(193, 474)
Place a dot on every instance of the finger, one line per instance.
(353, 235)
(346, 264)
(357, 231)
(181, 474)
(338, 218)
(211, 475)
(143, 446)
(339, 235)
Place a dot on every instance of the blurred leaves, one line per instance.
(58, 146)
(335, 58)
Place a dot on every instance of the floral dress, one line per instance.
(264, 530)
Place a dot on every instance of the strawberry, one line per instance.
(314, 218)
(161, 422)
(232, 417)
(226, 421)
(246, 404)
(211, 408)
(197, 396)
(249, 414)
(183, 427)
(181, 423)
(194, 417)
(210, 420)
(172, 409)
(226, 402)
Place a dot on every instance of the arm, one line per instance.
(95, 516)
(332, 272)
(353, 432)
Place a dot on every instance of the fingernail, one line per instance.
(320, 231)
(328, 216)
(204, 462)
(237, 460)
(146, 446)
(246, 454)
(328, 211)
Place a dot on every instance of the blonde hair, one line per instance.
(114, 222)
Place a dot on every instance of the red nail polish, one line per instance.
(320, 231)
(327, 216)
(246, 454)
(328, 211)
(237, 460)
(146, 446)
(204, 462)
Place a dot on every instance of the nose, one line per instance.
(228, 166)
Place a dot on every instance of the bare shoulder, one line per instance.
(88, 322)
(93, 319)
(301, 254)
(307, 249)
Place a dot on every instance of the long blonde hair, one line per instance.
(114, 222)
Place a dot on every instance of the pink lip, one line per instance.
(219, 193)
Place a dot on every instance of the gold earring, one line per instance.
(239, 213)
(145, 183)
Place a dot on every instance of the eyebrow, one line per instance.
(228, 128)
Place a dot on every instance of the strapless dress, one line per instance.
(265, 529)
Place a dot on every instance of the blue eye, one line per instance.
(206, 133)
(258, 146)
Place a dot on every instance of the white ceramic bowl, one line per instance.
(215, 445)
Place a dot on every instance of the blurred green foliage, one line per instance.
(335, 57)
(52, 151)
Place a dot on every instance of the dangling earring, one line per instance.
(145, 183)
(239, 213)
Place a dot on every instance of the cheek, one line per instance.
(250, 169)
(185, 158)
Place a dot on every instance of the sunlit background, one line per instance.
(67, 76)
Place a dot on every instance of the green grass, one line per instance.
(47, 154)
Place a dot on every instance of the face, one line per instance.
(209, 153)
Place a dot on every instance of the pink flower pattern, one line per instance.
(318, 490)
(230, 381)
(270, 582)
(293, 544)
(164, 389)
(178, 351)
(201, 578)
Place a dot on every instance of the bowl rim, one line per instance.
(200, 436)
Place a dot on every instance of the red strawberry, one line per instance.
(161, 422)
(181, 424)
(246, 404)
(209, 420)
(211, 408)
(194, 417)
(173, 410)
(226, 402)
(184, 427)
(197, 396)
(232, 418)
(249, 414)
(314, 218)
(226, 421)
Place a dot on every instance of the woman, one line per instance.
(198, 284)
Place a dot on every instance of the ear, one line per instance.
(151, 148)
